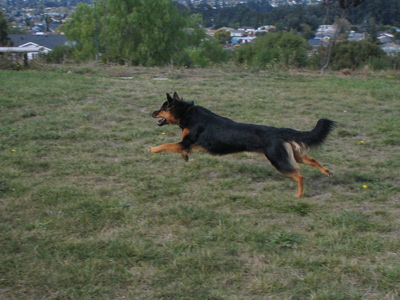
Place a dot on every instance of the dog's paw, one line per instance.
(329, 173)
(152, 149)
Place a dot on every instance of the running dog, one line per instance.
(206, 131)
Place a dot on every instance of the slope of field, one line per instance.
(88, 213)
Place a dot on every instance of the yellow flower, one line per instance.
(163, 133)
(260, 99)
(365, 186)
(362, 142)
(13, 150)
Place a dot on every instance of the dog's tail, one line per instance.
(315, 137)
(319, 134)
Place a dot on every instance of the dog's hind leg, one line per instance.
(282, 158)
(299, 179)
(313, 162)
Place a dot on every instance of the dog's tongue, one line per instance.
(161, 122)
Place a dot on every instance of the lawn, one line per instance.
(88, 213)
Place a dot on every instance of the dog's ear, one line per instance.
(169, 98)
(176, 97)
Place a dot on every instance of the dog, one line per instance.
(206, 131)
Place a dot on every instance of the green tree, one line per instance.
(4, 39)
(353, 55)
(345, 6)
(209, 52)
(47, 21)
(128, 31)
(373, 34)
(285, 48)
(222, 36)
(195, 32)
(80, 30)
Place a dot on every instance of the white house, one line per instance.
(41, 42)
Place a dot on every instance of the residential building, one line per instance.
(42, 42)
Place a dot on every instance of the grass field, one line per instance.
(88, 213)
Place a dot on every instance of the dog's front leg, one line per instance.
(176, 147)
(171, 148)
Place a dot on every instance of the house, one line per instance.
(316, 42)
(237, 40)
(266, 28)
(326, 31)
(356, 37)
(391, 48)
(385, 37)
(42, 42)
(233, 32)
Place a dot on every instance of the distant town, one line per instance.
(33, 17)
(225, 3)
(36, 25)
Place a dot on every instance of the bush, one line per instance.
(352, 55)
(287, 49)
(209, 52)
(385, 62)
(6, 63)
(59, 55)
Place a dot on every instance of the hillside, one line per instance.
(88, 213)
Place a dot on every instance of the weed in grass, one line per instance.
(278, 240)
(4, 186)
(301, 208)
(284, 240)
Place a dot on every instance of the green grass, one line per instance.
(88, 213)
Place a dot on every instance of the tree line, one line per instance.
(159, 32)
(258, 13)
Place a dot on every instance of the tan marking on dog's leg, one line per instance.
(291, 156)
(171, 148)
(299, 179)
(185, 132)
(313, 162)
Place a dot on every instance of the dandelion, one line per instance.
(362, 142)
(13, 150)
(260, 99)
(163, 133)
(365, 186)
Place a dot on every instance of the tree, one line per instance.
(284, 48)
(195, 30)
(47, 21)
(80, 31)
(352, 55)
(4, 39)
(345, 6)
(373, 34)
(222, 36)
(128, 31)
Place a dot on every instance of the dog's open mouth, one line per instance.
(162, 122)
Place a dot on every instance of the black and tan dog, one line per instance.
(204, 130)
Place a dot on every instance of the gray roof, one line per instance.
(317, 43)
(49, 41)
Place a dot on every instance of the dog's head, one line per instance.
(172, 110)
